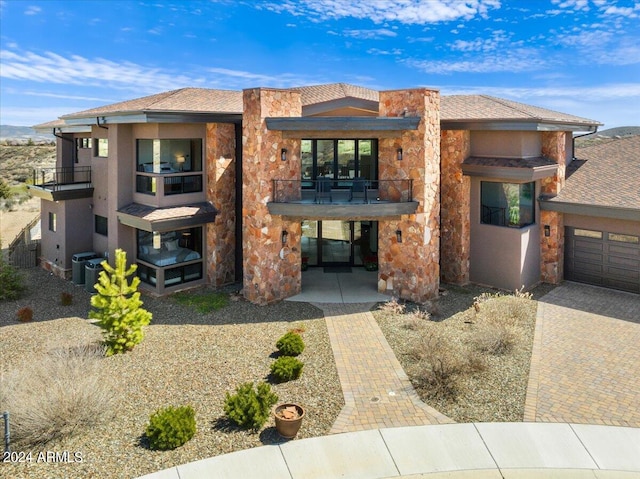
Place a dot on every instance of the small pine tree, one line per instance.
(118, 307)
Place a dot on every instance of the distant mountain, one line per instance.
(22, 134)
(620, 131)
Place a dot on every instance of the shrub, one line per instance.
(11, 281)
(494, 338)
(286, 368)
(249, 408)
(66, 299)
(171, 427)
(56, 395)
(118, 307)
(25, 314)
(393, 307)
(291, 344)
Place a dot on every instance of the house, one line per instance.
(212, 186)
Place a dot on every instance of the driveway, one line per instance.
(585, 366)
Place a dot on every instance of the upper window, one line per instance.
(507, 204)
(339, 159)
(102, 147)
(169, 156)
(101, 225)
(83, 143)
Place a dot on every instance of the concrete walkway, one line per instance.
(377, 391)
(585, 364)
(478, 450)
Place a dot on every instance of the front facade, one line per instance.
(211, 187)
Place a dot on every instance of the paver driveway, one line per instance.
(585, 366)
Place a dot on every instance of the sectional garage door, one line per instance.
(602, 258)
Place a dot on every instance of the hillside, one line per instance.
(607, 135)
(17, 161)
(22, 135)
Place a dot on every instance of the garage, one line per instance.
(602, 258)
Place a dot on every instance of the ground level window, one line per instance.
(101, 225)
(507, 204)
(53, 222)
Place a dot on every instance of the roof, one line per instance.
(334, 91)
(606, 174)
(486, 108)
(192, 100)
(521, 169)
(149, 218)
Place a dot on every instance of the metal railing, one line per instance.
(57, 178)
(174, 184)
(343, 190)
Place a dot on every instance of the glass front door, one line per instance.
(335, 242)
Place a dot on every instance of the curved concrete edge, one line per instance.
(484, 450)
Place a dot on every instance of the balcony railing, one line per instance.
(62, 178)
(343, 191)
(171, 184)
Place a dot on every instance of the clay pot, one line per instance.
(288, 417)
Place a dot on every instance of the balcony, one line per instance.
(169, 184)
(342, 199)
(63, 183)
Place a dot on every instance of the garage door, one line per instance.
(602, 258)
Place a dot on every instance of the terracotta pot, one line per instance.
(288, 417)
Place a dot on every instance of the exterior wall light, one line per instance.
(399, 154)
(547, 230)
(399, 236)
(283, 154)
(284, 236)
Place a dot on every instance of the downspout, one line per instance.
(573, 141)
(101, 125)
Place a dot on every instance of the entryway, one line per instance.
(338, 242)
(358, 286)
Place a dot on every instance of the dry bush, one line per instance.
(393, 306)
(494, 338)
(497, 325)
(56, 395)
(440, 365)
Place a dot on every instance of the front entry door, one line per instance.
(336, 242)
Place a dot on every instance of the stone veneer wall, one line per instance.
(410, 269)
(221, 166)
(271, 269)
(455, 214)
(552, 246)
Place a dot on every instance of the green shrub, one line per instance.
(249, 408)
(291, 344)
(286, 368)
(171, 427)
(118, 307)
(11, 281)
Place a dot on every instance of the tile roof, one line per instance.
(151, 213)
(202, 100)
(485, 107)
(606, 174)
(334, 91)
(49, 124)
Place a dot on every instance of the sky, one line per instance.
(575, 56)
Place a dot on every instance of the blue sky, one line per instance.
(576, 56)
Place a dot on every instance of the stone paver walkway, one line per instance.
(377, 391)
(585, 365)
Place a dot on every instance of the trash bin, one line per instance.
(78, 263)
(92, 272)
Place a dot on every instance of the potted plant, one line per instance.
(305, 263)
(371, 262)
(288, 417)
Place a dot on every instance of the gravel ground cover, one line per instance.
(496, 393)
(185, 358)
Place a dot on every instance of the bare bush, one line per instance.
(494, 338)
(56, 395)
(393, 306)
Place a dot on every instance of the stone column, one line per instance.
(410, 270)
(552, 246)
(455, 213)
(220, 168)
(271, 270)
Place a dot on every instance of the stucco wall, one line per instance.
(506, 144)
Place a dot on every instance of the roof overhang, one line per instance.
(516, 125)
(154, 117)
(524, 169)
(602, 211)
(60, 129)
(152, 219)
(342, 123)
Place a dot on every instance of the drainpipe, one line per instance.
(101, 125)
(573, 142)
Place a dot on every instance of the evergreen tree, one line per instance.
(118, 307)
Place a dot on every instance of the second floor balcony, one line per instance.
(62, 183)
(342, 198)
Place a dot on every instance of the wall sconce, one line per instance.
(284, 237)
(547, 230)
(399, 236)
(283, 154)
(399, 154)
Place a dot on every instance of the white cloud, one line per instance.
(377, 51)
(32, 10)
(370, 34)
(513, 61)
(379, 11)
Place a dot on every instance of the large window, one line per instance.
(169, 156)
(102, 147)
(507, 204)
(338, 160)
